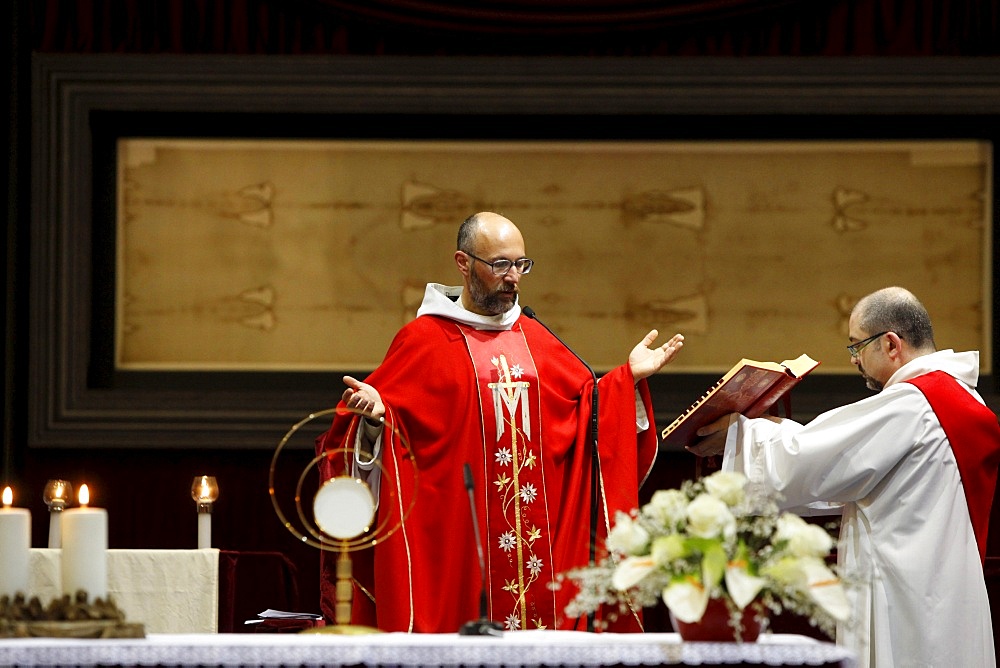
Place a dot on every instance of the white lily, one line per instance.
(811, 576)
(630, 571)
(687, 599)
(742, 587)
(826, 590)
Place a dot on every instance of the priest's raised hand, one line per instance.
(645, 361)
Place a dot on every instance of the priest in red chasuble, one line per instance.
(472, 380)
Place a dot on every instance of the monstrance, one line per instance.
(344, 512)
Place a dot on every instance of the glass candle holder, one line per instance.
(57, 494)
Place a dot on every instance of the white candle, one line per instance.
(55, 529)
(85, 549)
(15, 547)
(204, 530)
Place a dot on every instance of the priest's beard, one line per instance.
(870, 382)
(492, 302)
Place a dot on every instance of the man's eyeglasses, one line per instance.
(501, 267)
(856, 348)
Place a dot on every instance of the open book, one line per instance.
(750, 388)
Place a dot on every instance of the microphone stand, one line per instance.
(482, 626)
(595, 467)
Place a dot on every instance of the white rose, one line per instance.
(726, 485)
(667, 507)
(804, 539)
(626, 536)
(709, 517)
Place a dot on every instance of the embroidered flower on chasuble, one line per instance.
(528, 493)
(507, 541)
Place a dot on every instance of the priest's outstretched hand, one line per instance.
(645, 361)
(363, 398)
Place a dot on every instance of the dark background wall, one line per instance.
(146, 488)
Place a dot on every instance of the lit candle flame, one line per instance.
(8, 496)
(84, 495)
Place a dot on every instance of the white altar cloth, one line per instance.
(520, 648)
(168, 591)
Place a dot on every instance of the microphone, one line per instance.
(596, 461)
(530, 312)
(482, 626)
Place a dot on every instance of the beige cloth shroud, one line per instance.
(168, 591)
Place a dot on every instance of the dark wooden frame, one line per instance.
(74, 401)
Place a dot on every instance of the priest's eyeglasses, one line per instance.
(502, 266)
(856, 348)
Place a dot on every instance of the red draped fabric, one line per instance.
(975, 439)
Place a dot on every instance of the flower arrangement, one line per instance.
(710, 539)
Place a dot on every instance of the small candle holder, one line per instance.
(204, 491)
(56, 494)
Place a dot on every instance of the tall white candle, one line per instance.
(85, 549)
(204, 530)
(15, 547)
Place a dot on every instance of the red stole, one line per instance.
(518, 529)
(974, 434)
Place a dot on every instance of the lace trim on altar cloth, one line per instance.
(521, 648)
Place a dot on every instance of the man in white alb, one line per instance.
(914, 470)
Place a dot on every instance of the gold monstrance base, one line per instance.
(345, 592)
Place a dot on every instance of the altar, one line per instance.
(520, 648)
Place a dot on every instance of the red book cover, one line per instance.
(749, 388)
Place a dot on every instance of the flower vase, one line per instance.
(716, 624)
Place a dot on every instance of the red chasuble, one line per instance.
(515, 406)
(974, 435)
